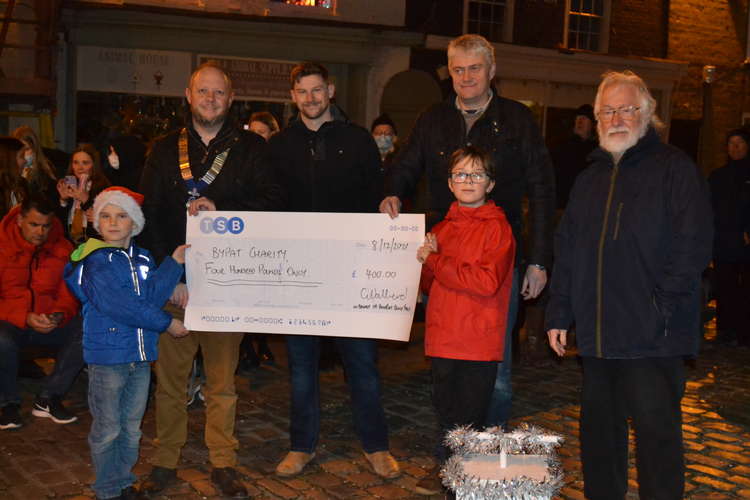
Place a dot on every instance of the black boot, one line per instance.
(160, 478)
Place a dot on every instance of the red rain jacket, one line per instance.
(31, 278)
(469, 282)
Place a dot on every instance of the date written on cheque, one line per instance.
(388, 245)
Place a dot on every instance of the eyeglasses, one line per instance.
(625, 112)
(461, 177)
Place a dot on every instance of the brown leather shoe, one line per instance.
(431, 484)
(383, 464)
(160, 478)
(294, 462)
(227, 481)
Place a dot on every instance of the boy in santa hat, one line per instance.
(122, 294)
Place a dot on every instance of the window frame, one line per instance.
(603, 34)
(332, 8)
(507, 19)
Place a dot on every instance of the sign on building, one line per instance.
(133, 71)
(255, 79)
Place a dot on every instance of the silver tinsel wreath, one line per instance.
(525, 440)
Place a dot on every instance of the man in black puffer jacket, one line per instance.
(629, 252)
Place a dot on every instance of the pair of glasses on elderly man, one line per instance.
(625, 112)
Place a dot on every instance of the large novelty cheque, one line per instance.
(347, 275)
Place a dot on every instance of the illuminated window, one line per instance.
(326, 4)
(587, 25)
(493, 19)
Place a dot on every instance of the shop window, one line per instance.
(326, 4)
(587, 25)
(493, 19)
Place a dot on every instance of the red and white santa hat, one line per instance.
(128, 200)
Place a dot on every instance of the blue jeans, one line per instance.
(67, 341)
(117, 400)
(498, 412)
(360, 365)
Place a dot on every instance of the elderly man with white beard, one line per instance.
(629, 252)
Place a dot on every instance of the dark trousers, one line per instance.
(461, 393)
(648, 391)
(360, 365)
(733, 298)
(69, 361)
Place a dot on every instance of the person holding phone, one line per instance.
(36, 309)
(83, 182)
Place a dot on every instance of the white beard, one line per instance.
(617, 140)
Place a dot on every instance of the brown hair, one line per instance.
(10, 174)
(306, 69)
(476, 155)
(266, 119)
(42, 166)
(99, 181)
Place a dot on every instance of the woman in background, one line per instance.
(37, 169)
(263, 123)
(83, 182)
(12, 185)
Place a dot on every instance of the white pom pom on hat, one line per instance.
(128, 200)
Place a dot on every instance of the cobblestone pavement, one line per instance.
(45, 460)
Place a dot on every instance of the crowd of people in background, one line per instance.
(477, 156)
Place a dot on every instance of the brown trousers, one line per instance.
(220, 354)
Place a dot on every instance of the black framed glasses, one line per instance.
(461, 177)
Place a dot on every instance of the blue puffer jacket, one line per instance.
(122, 293)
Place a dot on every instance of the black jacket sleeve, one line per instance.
(691, 224)
(408, 166)
(540, 190)
(372, 174)
(258, 187)
(154, 190)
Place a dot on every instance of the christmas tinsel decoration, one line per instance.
(525, 440)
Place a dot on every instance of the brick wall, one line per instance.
(711, 32)
(638, 27)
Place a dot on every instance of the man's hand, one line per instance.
(177, 329)
(179, 253)
(533, 282)
(40, 322)
(201, 205)
(557, 340)
(180, 295)
(390, 205)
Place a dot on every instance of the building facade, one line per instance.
(98, 61)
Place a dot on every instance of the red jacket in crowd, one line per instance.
(468, 282)
(31, 278)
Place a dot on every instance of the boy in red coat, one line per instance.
(467, 273)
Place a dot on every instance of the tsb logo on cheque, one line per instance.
(221, 225)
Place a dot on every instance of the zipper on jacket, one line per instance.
(617, 221)
(137, 290)
(313, 156)
(600, 262)
(34, 259)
